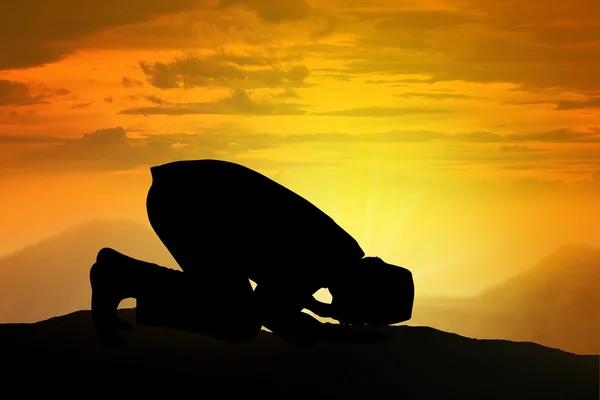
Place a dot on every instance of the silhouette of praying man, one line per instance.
(225, 225)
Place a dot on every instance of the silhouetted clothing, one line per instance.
(219, 218)
(225, 225)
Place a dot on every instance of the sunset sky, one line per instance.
(460, 139)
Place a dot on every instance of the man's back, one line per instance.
(254, 225)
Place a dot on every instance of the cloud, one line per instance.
(14, 93)
(517, 149)
(273, 11)
(593, 102)
(112, 149)
(525, 167)
(564, 135)
(510, 143)
(206, 26)
(418, 136)
(410, 28)
(382, 112)
(129, 82)
(523, 102)
(388, 81)
(434, 96)
(156, 100)
(530, 15)
(37, 32)
(239, 102)
(413, 19)
(29, 139)
(105, 149)
(421, 136)
(481, 41)
(531, 66)
(568, 33)
(223, 71)
(85, 104)
(287, 94)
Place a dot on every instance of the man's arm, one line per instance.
(280, 310)
(323, 310)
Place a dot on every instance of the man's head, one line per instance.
(373, 293)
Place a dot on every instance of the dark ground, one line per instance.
(64, 356)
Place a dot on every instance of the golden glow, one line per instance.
(457, 139)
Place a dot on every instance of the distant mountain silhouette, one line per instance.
(52, 277)
(418, 362)
(556, 303)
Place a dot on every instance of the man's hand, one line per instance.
(335, 333)
(323, 310)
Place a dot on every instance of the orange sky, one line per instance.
(457, 138)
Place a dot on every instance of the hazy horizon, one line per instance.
(166, 259)
(472, 282)
(554, 302)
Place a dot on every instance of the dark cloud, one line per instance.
(333, 73)
(29, 139)
(525, 167)
(564, 135)
(112, 149)
(14, 93)
(574, 33)
(517, 148)
(413, 19)
(156, 100)
(223, 71)
(129, 82)
(287, 94)
(383, 112)
(484, 41)
(108, 99)
(273, 11)
(555, 136)
(35, 32)
(340, 77)
(512, 60)
(105, 149)
(537, 186)
(410, 28)
(510, 143)
(239, 102)
(388, 81)
(523, 102)
(421, 136)
(77, 106)
(531, 15)
(434, 96)
(593, 102)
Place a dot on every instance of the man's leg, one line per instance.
(211, 296)
(221, 308)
